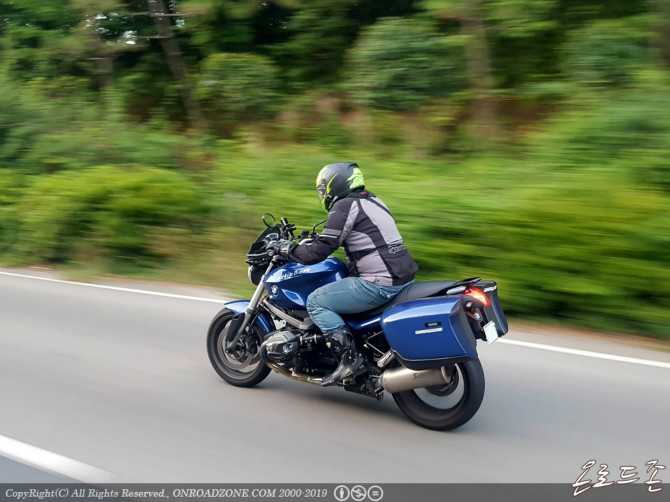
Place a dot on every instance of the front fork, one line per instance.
(249, 312)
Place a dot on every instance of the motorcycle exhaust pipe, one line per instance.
(401, 379)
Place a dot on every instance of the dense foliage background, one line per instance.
(526, 141)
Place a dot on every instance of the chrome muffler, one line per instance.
(401, 379)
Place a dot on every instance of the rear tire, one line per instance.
(243, 368)
(449, 406)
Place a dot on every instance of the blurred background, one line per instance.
(525, 141)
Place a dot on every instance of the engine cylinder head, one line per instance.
(282, 346)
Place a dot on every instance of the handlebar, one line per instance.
(278, 230)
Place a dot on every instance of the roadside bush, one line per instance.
(111, 209)
(107, 143)
(25, 114)
(10, 188)
(624, 133)
(39, 135)
(581, 247)
(585, 248)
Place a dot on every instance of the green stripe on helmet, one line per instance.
(330, 182)
(356, 179)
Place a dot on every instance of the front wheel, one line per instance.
(444, 407)
(243, 366)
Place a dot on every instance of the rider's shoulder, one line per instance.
(343, 204)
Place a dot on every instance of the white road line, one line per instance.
(552, 348)
(52, 462)
(114, 288)
(586, 353)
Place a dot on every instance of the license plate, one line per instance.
(491, 332)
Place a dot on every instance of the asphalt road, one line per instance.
(120, 381)
(11, 471)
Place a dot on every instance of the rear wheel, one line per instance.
(243, 366)
(444, 407)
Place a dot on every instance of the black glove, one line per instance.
(280, 247)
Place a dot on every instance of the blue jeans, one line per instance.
(350, 295)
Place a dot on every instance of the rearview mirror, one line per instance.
(269, 220)
(314, 227)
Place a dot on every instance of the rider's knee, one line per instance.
(312, 302)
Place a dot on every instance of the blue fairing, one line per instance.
(289, 285)
(429, 329)
(239, 306)
(363, 326)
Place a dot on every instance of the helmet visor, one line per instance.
(321, 192)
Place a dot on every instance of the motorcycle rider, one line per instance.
(380, 265)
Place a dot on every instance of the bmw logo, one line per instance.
(274, 290)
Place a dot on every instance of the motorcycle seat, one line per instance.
(412, 292)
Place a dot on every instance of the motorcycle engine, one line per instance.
(282, 346)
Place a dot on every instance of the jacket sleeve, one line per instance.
(337, 228)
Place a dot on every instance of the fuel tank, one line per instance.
(289, 285)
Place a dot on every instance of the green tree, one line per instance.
(163, 19)
(95, 40)
(471, 18)
(606, 52)
(319, 36)
(237, 87)
(659, 12)
(523, 35)
(32, 34)
(321, 31)
(398, 64)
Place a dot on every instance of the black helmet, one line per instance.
(335, 181)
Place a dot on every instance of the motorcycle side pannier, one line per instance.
(430, 332)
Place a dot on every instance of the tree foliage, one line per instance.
(236, 86)
(398, 64)
(534, 133)
(323, 43)
(607, 52)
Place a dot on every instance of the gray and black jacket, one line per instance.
(363, 225)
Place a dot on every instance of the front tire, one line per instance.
(448, 406)
(242, 368)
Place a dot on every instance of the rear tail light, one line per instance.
(478, 295)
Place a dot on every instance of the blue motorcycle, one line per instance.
(420, 347)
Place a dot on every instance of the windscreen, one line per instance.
(258, 245)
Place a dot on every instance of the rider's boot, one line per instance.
(351, 361)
